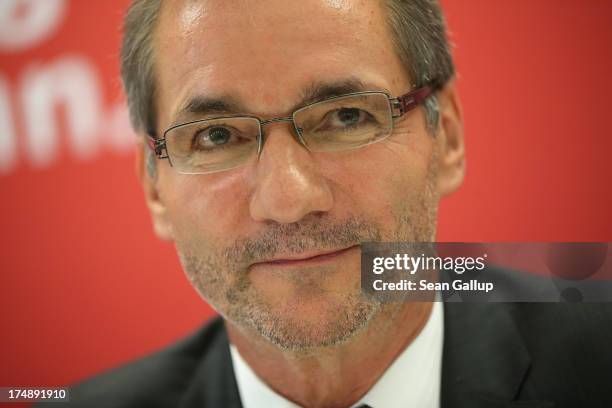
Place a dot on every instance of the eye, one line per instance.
(212, 137)
(219, 135)
(346, 118)
(349, 116)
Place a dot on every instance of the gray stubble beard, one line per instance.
(240, 304)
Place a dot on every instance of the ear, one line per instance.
(147, 174)
(451, 148)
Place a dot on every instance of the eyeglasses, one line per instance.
(340, 123)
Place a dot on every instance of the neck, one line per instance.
(333, 376)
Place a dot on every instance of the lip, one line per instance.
(305, 258)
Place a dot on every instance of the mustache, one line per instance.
(321, 235)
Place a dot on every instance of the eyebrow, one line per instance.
(321, 90)
(200, 105)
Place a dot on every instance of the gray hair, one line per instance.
(419, 34)
(418, 28)
(137, 63)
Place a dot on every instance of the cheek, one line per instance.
(208, 207)
(384, 179)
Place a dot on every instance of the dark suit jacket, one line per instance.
(495, 355)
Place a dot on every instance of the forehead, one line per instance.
(265, 52)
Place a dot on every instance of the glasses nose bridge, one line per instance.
(276, 120)
(297, 130)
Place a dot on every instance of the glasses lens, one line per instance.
(346, 122)
(212, 145)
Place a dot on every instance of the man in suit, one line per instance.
(279, 136)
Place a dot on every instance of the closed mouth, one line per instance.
(304, 259)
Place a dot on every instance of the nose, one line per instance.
(288, 186)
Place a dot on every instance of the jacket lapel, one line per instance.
(484, 362)
(214, 384)
(484, 357)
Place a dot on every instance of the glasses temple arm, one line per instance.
(157, 145)
(412, 99)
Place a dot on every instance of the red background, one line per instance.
(85, 284)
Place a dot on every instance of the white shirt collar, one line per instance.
(412, 380)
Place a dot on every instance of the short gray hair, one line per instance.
(420, 38)
(418, 28)
(137, 63)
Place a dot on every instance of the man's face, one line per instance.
(243, 235)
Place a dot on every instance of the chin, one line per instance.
(304, 325)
